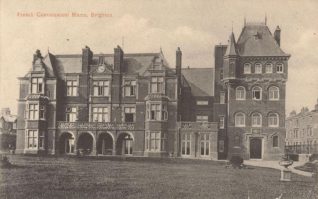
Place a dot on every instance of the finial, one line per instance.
(265, 18)
(232, 26)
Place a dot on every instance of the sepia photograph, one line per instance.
(184, 99)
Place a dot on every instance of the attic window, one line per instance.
(157, 63)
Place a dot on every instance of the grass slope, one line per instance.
(45, 177)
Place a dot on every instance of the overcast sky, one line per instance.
(195, 26)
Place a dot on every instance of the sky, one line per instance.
(146, 26)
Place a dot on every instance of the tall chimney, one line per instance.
(178, 62)
(277, 35)
(118, 59)
(87, 56)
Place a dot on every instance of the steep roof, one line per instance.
(134, 63)
(257, 40)
(201, 80)
(231, 49)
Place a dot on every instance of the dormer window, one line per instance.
(258, 68)
(279, 68)
(36, 85)
(247, 68)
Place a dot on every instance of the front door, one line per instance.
(255, 148)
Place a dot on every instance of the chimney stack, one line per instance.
(178, 62)
(277, 35)
(118, 59)
(87, 56)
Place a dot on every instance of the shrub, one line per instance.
(313, 157)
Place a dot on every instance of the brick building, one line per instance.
(302, 131)
(136, 104)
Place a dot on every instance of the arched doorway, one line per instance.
(66, 143)
(85, 143)
(124, 144)
(105, 144)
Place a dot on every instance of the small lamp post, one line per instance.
(285, 174)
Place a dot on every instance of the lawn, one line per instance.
(65, 177)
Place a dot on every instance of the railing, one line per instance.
(95, 126)
(198, 125)
(302, 149)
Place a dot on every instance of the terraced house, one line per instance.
(136, 104)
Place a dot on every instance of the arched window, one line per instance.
(273, 120)
(256, 120)
(275, 141)
(279, 68)
(258, 68)
(257, 93)
(239, 119)
(273, 93)
(269, 68)
(240, 93)
(247, 68)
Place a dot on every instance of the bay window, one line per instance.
(156, 85)
(34, 139)
(155, 141)
(157, 111)
(36, 85)
(33, 112)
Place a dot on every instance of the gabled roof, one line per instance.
(257, 40)
(134, 63)
(200, 80)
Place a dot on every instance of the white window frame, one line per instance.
(222, 121)
(202, 118)
(155, 141)
(205, 142)
(254, 90)
(280, 68)
(271, 120)
(101, 88)
(247, 68)
(256, 120)
(34, 137)
(258, 69)
(157, 85)
(71, 88)
(186, 139)
(100, 114)
(269, 68)
(240, 93)
(129, 88)
(239, 119)
(71, 114)
(37, 85)
(157, 111)
(130, 110)
(202, 102)
(273, 95)
(33, 111)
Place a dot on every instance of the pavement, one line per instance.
(275, 165)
